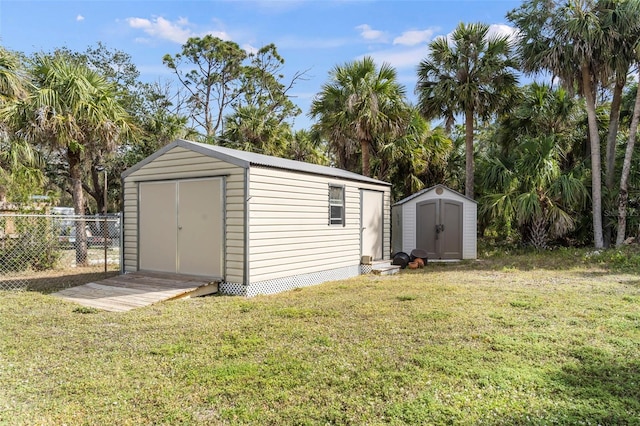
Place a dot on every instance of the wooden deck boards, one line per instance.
(129, 291)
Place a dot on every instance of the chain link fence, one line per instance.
(49, 251)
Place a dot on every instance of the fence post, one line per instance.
(104, 227)
(104, 235)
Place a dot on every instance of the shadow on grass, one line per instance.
(627, 278)
(609, 390)
(520, 262)
(613, 260)
(51, 283)
(597, 388)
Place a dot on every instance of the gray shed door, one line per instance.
(372, 221)
(181, 227)
(439, 228)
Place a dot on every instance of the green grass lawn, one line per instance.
(526, 338)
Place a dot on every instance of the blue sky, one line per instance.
(313, 35)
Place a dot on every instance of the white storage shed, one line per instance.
(254, 223)
(439, 220)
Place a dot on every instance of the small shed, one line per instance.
(439, 220)
(256, 224)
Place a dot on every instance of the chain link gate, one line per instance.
(43, 248)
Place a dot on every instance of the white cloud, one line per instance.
(79, 18)
(368, 33)
(178, 31)
(182, 21)
(162, 28)
(502, 30)
(142, 40)
(401, 58)
(222, 35)
(495, 30)
(249, 48)
(413, 37)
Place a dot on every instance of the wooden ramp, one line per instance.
(134, 290)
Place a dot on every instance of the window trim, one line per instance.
(333, 203)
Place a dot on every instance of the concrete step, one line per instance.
(384, 268)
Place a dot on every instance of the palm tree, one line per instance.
(254, 129)
(415, 159)
(20, 170)
(623, 196)
(542, 110)
(528, 148)
(529, 188)
(568, 40)
(471, 74)
(73, 110)
(12, 81)
(332, 129)
(620, 21)
(360, 104)
(19, 164)
(621, 26)
(305, 147)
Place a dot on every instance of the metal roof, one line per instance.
(419, 193)
(247, 159)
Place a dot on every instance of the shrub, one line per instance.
(34, 245)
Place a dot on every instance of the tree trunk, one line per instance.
(610, 160)
(468, 144)
(75, 173)
(364, 146)
(626, 168)
(596, 178)
(614, 120)
(97, 192)
(538, 237)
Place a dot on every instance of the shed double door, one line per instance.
(181, 227)
(439, 228)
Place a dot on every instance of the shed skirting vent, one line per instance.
(233, 289)
(366, 269)
(289, 283)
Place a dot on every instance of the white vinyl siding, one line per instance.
(181, 163)
(290, 233)
(130, 226)
(470, 234)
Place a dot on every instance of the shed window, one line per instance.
(336, 205)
